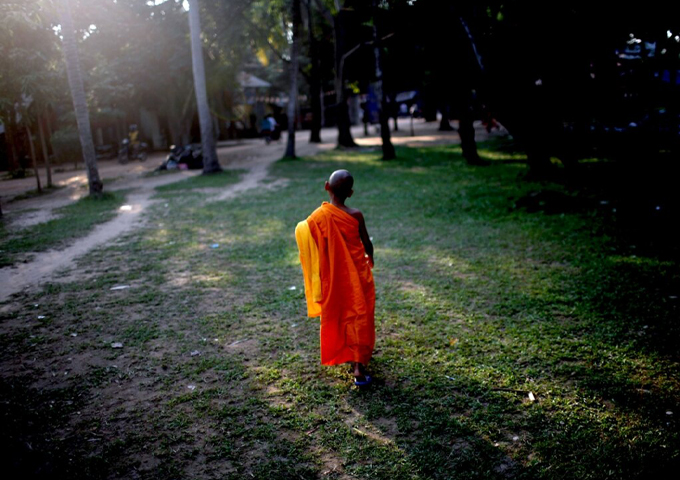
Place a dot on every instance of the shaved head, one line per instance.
(341, 183)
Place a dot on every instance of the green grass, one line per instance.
(481, 300)
(73, 221)
(215, 180)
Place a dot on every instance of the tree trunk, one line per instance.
(34, 161)
(48, 124)
(75, 82)
(387, 147)
(46, 156)
(210, 162)
(119, 135)
(444, 124)
(344, 133)
(467, 141)
(466, 131)
(532, 136)
(314, 80)
(292, 100)
(9, 133)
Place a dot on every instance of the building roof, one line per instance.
(251, 81)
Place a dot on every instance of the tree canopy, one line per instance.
(571, 65)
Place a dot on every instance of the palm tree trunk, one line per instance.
(34, 161)
(75, 82)
(46, 156)
(210, 162)
(292, 101)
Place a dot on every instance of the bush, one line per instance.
(66, 145)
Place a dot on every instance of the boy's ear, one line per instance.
(327, 187)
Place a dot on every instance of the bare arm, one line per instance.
(365, 239)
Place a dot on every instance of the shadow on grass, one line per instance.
(479, 303)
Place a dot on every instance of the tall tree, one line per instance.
(34, 160)
(292, 100)
(339, 22)
(314, 77)
(46, 155)
(467, 99)
(210, 161)
(381, 95)
(79, 100)
(27, 81)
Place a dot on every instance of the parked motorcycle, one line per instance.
(187, 157)
(137, 151)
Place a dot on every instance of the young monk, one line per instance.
(336, 254)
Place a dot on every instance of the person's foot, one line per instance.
(361, 378)
(359, 373)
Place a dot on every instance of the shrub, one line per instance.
(66, 145)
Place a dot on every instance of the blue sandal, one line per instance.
(367, 381)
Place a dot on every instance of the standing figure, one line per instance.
(336, 254)
(266, 130)
(274, 127)
(133, 136)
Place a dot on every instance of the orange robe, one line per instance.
(338, 284)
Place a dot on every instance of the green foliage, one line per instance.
(28, 57)
(66, 145)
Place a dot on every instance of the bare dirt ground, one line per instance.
(253, 156)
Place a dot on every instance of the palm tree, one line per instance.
(75, 82)
(210, 161)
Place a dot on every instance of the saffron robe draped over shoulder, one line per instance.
(338, 284)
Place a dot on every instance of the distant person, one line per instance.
(133, 136)
(489, 122)
(403, 110)
(274, 127)
(364, 117)
(266, 130)
(272, 122)
(336, 254)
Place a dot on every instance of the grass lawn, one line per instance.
(518, 338)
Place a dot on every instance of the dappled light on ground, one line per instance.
(511, 344)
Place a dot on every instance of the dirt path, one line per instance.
(45, 265)
(253, 156)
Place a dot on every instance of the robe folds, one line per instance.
(338, 284)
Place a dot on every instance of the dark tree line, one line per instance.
(552, 73)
